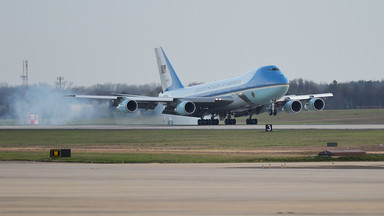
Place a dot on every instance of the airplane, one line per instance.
(257, 91)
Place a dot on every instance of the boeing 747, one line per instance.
(257, 91)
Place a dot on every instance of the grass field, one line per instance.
(199, 145)
(184, 145)
(173, 158)
(186, 139)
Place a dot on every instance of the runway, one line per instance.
(191, 189)
(195, 127)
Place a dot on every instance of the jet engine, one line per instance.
(293, 106)
(128, 106)
(185, 108)
(315, 104)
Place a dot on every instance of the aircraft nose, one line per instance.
(277, 76)
(282, 78)
(270, 75)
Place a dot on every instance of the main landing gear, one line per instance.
(230, 121)
(251, 121)
(208, 122)
(213, 121)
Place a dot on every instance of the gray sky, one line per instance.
(90, 41)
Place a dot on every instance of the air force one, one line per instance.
(257, 91)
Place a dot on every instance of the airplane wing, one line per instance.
(116, 97)
(192, 106)
(295, 103)
(138, 98)
(304, 97)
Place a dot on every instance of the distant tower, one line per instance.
(60, 83)
(24, 77)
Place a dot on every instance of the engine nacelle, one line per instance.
(293, 106)
(316, 104)
(128, 106)
(185, 108)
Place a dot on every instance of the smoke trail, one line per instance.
(48, 106)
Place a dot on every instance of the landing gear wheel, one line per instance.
(208, 122)
(251, 121)
(255, 121)
(230, 121)
(233, 121)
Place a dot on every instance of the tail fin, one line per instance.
(169, 79)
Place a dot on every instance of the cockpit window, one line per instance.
(274, 69)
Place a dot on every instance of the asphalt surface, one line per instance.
(192, 189)
(195, 127)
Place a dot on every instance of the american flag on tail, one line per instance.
(163, 69)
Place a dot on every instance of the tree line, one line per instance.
(347, 95)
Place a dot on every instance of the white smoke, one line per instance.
(49, 106)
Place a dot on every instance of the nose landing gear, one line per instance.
(273, 110)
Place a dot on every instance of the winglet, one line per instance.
(169, 79)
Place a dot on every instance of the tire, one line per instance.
(233, 121)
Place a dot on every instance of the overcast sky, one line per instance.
(89, 42)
